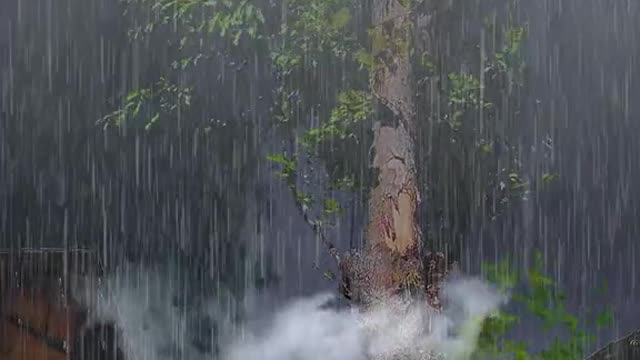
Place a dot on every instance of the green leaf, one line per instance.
(486, 148)
(277, 158)
(501, 274)
(364, 58)
(341, 18)
(331, 206)
(329, 275)
(304, 199)
(548, 178)
(132, 96)
(542, 298)
(604, 319)
(570, 321)
(288, 165)
(152, 121)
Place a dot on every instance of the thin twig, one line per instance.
(315, 225)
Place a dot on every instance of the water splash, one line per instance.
(152, 322)
(305, 329)
(152, 326)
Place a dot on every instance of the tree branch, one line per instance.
(626, 348)
(314, 224)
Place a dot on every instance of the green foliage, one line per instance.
(501, 275)
(464, 95)
(426, 63)
(604, 319)
(353, 107)
(509, 59)
(390, 40)
(305, 199)
(317, 26)
(313, 30)
(227, 18)
(331, 206)
(516, 183)
(365, 59)
(286, 60)
(131, 108)
(237, 18)
(288, 164)
(145, 107)
(316, 34)
(475, 124)
(548, 178)
(344, 183)
(463, 89)
(542, 298)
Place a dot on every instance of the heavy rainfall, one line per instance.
(319, 179)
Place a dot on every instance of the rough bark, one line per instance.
(392, 262)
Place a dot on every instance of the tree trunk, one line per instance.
(392, 262)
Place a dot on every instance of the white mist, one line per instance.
(139, 302)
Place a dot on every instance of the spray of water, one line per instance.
(151, 326)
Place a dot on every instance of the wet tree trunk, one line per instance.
(392, 262)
